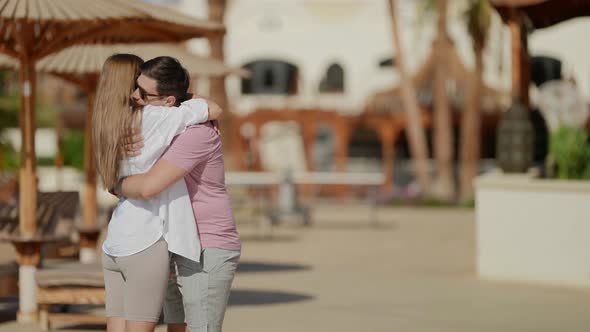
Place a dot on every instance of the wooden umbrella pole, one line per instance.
(28, 252)
(28, 177)
(89, 168)
(89, 233)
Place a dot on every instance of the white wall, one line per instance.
(306, 35)
(533, 230)
(567, 41)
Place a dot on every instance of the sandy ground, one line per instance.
(413, 272)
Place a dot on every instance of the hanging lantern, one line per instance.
(515, 139)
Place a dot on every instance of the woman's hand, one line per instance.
(131, 143)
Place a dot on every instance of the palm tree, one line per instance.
(217, 9)
(478, 16)
(414, 128)
(443, 187)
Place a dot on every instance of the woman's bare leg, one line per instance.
(115, 324)
(177, 328)
(136, 326)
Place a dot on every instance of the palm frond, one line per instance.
(478, 18)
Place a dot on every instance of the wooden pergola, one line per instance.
(33, 29)
(524, 15)
(387, 126)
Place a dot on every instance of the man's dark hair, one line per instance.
(173, 79)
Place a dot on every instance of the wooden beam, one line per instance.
(73, 294)
(89, 211)
(525, 66)
(520, 62)
(86, 82)
(8, 43)
(309, 137)
(388, 134)
(255, 145)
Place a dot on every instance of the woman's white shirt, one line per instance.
(137, 224)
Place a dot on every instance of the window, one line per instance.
(271, 77)
(544, 68)
(333, 81)
(387, 62)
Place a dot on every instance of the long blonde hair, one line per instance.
(113, 113)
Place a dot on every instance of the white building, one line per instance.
(312, 35)
(291, 44)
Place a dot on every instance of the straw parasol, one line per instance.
(32, 29)
(89, 59)
(542, 13)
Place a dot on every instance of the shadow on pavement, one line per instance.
(267, 238)
(246, 267)
(261, 297)
(351, 225)
(83, 327)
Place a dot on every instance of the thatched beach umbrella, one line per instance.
(32, 29)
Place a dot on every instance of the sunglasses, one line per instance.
(144, 94)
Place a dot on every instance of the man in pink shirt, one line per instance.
(199, 291)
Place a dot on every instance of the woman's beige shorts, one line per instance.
(135, 285)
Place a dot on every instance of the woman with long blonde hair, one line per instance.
(113, 113)
(141, 233)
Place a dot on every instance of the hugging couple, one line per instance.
(172, 242)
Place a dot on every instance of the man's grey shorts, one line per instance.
(198, 292)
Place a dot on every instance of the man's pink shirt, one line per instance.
(198, 150)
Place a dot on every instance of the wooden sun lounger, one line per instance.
(56, 217)
(56, 213)
(56, 221)
(69, 283)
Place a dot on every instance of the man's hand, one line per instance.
(132, 143)
(215, 124)
(214, 110)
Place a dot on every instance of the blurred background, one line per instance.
(394, 165)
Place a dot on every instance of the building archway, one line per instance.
(271, 76)
(333, 80)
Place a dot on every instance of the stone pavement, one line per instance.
(413, 272)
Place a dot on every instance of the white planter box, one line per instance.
(533, 230)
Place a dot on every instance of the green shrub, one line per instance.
(571, 153)
(73, 148)
(10, 157)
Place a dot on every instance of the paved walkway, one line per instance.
(414, 272)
